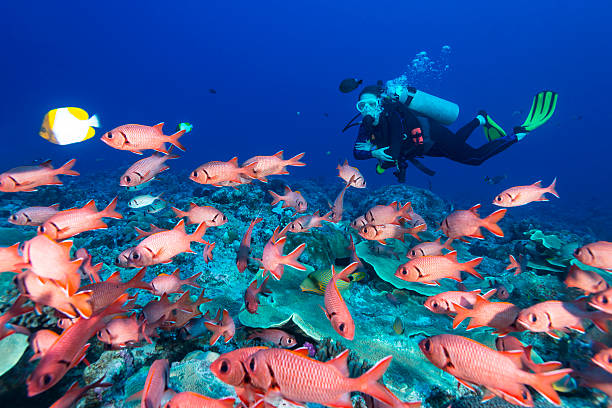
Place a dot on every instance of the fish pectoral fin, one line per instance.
(466, 385)
(80, 356)
(553, 334)
(136, 396)
(432, 283)
(577, 327)
(343, 401)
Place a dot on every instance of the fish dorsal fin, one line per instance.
(115, 277)
(514, 355)
(316, 214)
(302, 351)
(234, 161)
(479, 301)
(192, 205)
(66, 245)
(91, 205)
(54, 206)
(180, 226)
(159, 127)
(177, 273)
(47, 164)
(287, 190)
(345, 163)
(537, 183)
(476, 291)
(340, 362)
(474, 209)
(451, 255)
(437, 241)
(394, 204)
(281, 241)
(279, 154)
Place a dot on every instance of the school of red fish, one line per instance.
(48, 275)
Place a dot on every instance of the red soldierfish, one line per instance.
(291, 199)
(430, 248)
(205, 214)
(430, 269)
(335, 307)
(306, 222)
(33, 216)
(467, 223)
(145, 169)
(382, 233)
(521, 195)
(123, 331)
(273, 260)
(161, 247)
(473, 363)
(359, 222)
(155, 393)
(143, 234)
(597, 254)
(75, 393)
(277, 337)
(207, 253)
(27, 178)
(135, 138)
(586, 280)
(337, 207)
(222, 326)
(87, 270)
(444, 303)
(251, 301)
(498, 315)
(388, 214)
(41, 341)
(303, 379)
(269, 165)
(10, 259)
(50, 260)
(603, 359)
(602, 301)
(164, 283)
(217, 172)
(68, 223)
(551, 315)
(242, 256)
(351, 175)
(16, 309)
(104, 293)
(69, 349)
(190, 399)
(49, 293)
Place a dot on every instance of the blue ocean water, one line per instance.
(276, 66)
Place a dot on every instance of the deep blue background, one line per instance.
(155, 61)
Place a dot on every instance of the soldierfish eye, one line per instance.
(427, 345)
(224, 367)
(13, 217)
(195, 173)
(109, 135)
(498, 198)
(252, 364)
(46, 380)
(128, 179)
(434, 305)
(341, 327)
(604, 300)
(404, 271)
(533, 317)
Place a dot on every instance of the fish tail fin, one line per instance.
(346, 272)
(207, 253)
(215, 329)
(137, 282)
(368, 383)
(80, 302)
(109, 211)
(491, 221)
(415, 231)
(295, 160)
(17, 307)
(275, 197)
(470, 265)
(191, 281)
(327, 217)
(552, 188)
(291, 259)
(173, 139)
(543, 383)
(405, 211)
(462, 314)
(513, 264)
(199, 233)
(547, 366)
(447, 244)
(93, 121)
(179, 213)
(66, 169)
(600, 320)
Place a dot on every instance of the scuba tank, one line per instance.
(431, 106)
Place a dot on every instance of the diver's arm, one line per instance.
(363, 137)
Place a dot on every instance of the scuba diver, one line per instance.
(401, 124)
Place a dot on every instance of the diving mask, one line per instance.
(370, 105)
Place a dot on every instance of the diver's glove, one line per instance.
(381, 155)
(367, 146)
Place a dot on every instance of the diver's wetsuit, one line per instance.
(409, 136)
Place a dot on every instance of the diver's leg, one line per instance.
(466, 154)
(465, 132)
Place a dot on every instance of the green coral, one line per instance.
(12, 348)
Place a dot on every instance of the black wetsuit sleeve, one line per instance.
(362, 137)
